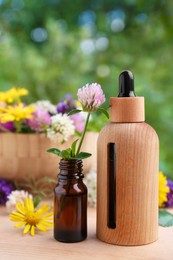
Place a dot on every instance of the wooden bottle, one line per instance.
(127, 173)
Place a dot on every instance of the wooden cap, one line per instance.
(127, 109)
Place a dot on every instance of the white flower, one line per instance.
(14, 197)
(62, 127)
(91, 183)
(45, 105)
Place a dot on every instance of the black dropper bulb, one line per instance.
(126, 84)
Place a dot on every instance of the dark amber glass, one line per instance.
(70, 203)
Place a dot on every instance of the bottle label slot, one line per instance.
(111, 185)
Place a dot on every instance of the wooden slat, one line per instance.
(22, 145)
(34, 145)
(9, 145)
(24, 155)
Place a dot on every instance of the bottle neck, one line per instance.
(70, 169)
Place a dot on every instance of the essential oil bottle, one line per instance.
(127, 172)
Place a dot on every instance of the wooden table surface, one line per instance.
(15, 246)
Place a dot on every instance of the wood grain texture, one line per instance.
(129, 109)
(137, 155)
(15, 246)
(24, 155)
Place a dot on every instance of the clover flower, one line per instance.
(79, 122)
(40, 120)
(16, 196)
(163, 189)
(62, 127)
(27, 216)
(91, 97)
(45, 105)
(6, 187)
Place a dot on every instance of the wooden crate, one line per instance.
(24, 155)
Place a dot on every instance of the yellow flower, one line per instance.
(18, 113)
(30, 218)
(163, 189)
(12, 95)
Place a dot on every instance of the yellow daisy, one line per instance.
(163, 189)
(31, 218)
(18, 112)
(13, 94)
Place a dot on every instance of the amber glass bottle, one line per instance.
(70, 203)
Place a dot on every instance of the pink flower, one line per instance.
(91, 97)
(79, 122)
(40, 120)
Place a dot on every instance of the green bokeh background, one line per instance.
(53, 47)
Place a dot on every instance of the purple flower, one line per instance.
(6, 187)
(9, 126)
(79, 122)
(169, 203)
(62, 107)
(40, 120)
(66, 105)
(91, 97)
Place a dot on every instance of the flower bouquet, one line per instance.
(27, 131)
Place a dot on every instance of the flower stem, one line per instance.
(17, 126)
(83, 134)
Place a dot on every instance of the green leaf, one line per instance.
(105, 112)
(73, 147)
(72, 112)
(66, 154)
(55, 151)
(37, 200)
(83, 155)
(77, 133)
(68, 150)
(165, 218)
